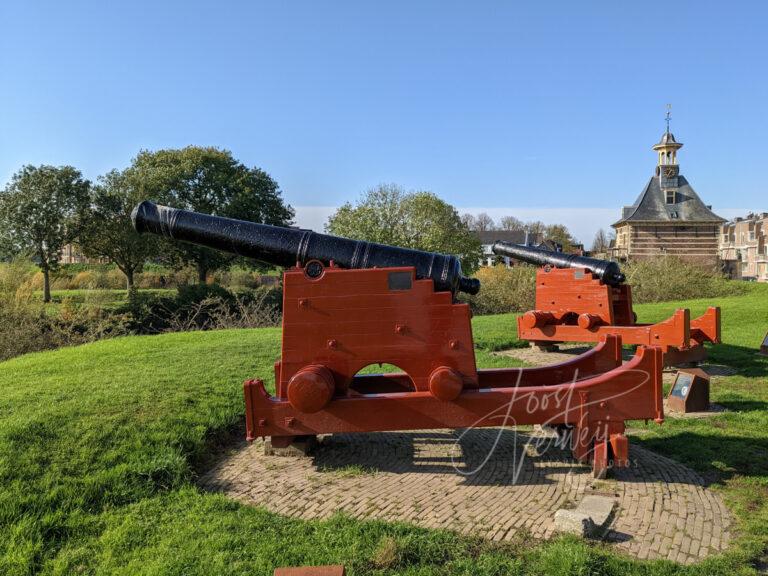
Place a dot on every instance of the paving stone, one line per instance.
(300, 448)
(574, 522)
(417, 477)
(598, 508)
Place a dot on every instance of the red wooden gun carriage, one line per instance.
(349, 304)
(582, 299)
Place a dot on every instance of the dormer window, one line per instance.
(670, 196)
(673, 215)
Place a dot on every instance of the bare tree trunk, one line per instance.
(46, 284)
(129, 280)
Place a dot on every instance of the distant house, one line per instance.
(71, 254)
(744, 247)
(668, 218)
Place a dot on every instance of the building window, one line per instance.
(751, 235)
(670, 196)
(674, 216)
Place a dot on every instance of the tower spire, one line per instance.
(667, 146)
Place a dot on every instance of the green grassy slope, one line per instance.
(731, 449)
(99, 445)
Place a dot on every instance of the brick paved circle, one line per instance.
(489, 482)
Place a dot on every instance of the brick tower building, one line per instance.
(668, 218)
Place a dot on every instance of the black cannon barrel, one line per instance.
(288, 246)
(609, 272)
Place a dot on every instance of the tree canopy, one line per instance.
(212, 181)
(559, 233)
(420, 220)
(41, 211)
(107, 231)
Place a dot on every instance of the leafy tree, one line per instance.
(511, 224)
(560, 234)
(107, 231)
(420, 220)
(208, 180)
(41, 211)
(601, 242)
(8, 250)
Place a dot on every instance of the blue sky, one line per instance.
(531, 108)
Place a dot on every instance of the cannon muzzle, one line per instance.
(287, 247)
(609, 272)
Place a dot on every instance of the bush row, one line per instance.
(504, 290)
(204, 307)
(89, 277)
(668, 278)
(27, 325)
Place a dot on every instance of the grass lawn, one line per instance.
(100, 444)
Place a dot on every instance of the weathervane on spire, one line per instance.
(669, 115)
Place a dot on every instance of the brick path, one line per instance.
(489, 482)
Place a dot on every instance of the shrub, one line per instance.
(669, 278)
(184, 277)
(204, 307)
(114, 279)
(23, 330)
(84, 280)
(153, 279)
(16, 274)
(26, 327)
(36, 281)
(503, 290)
(236, 277)
(255, 311)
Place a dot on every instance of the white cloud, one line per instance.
(313, 217)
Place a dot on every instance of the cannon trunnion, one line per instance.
(338, 321)
(581, 299)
